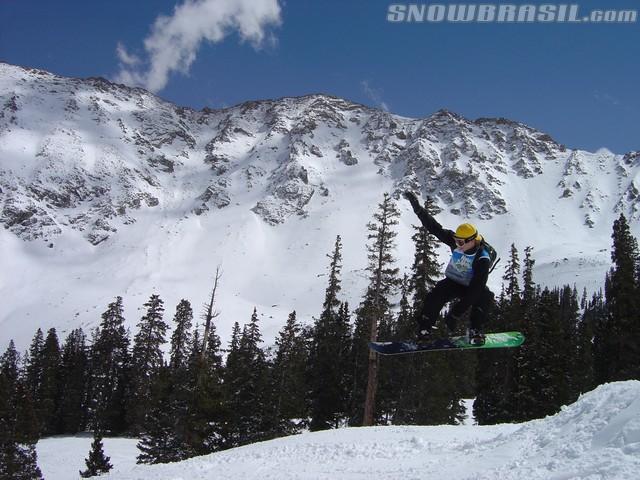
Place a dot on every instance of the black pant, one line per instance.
(446, 290)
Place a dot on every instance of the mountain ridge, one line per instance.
(122, 170)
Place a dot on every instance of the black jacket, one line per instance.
(481, 264)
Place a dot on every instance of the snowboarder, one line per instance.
(465, 279)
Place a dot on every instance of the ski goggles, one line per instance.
(463, 241)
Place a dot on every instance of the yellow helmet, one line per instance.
(467, 232)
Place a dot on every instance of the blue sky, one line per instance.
(578, 82)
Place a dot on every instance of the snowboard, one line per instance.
(493, 340)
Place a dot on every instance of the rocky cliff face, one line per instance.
(92, 156)
(135, 195)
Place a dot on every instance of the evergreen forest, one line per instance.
(183, 391)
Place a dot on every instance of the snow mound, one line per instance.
(598, 437)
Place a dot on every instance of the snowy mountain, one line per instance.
(596, 437)
(107, 190)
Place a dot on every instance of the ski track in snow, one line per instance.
(596, 438)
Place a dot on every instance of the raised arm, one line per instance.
(430, 223)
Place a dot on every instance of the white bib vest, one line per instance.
(460, 268)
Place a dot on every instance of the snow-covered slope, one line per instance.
(107, 190)
(598, 437)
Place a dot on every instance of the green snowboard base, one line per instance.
(493, 340)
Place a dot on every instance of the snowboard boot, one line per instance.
(476, 337)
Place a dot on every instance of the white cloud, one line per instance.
(605, 97)
(125, 57)
(173, 43)
(374, 94)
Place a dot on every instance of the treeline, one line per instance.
(205, 396)
(573, 344)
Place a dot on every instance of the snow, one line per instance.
(65, 282)
(61, 458)
(276, 269)
(598, 437)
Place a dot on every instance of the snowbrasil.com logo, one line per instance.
(504, 13)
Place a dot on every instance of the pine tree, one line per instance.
(208, 411)
(196, 398)
(590, 327)
(345, 335)
(247, 391)
(43, 379)
(181, 337)
(169, 432)
(331, 301)
(526, 372)
(528, 285)
(160, 440)
(34, 367)
(495, 402)
(17, 408)
(8, 380)
(426, 269)
(50, 391)
(146, 361)
(550, 389)
(258, 394)
(602, 339)
(19, 429)
(383, 284)
(359, 363)
(232, 382)
(74, 378)
(288, 376)
(97, 462)
(568, 345)
(620, 347)
(510, 277)
(400, 374)
(9, 366)
(26, 427)
(329, 354)
(385, 402)
(19, 462)
(110, 363)
(543, 382)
